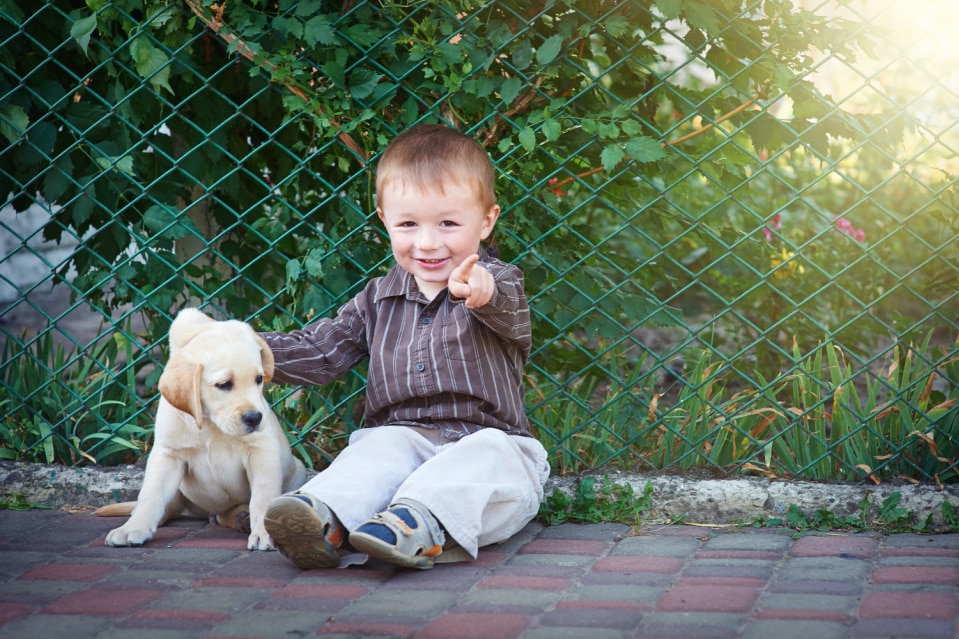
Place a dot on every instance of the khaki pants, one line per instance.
(483, 488)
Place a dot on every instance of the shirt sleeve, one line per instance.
(507, 313)
(322, 351)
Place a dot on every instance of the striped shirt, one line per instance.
(431, 363)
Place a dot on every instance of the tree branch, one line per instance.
(214, 22)
(668, 143)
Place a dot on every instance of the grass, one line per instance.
(821, 421)
(71, 408)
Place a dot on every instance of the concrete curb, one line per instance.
(711, 501)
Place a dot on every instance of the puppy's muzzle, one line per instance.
(251, 420)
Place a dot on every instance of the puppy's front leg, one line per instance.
(266, 484)
(159, 498)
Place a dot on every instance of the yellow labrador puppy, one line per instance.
(218, 447)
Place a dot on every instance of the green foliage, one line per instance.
(70, 409)
(609, 502)
(223, 154)
(20, 502)
(822, 421)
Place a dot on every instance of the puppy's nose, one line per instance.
(251, 419)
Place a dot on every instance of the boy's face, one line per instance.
(432, 232)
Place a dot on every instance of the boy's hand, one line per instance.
(471, 282)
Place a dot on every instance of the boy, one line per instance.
(446, 462)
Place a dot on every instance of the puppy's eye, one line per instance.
(259, 380)
(225, 386)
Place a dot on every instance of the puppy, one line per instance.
(218, 447)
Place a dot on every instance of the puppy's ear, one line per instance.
(189, 323)
(267, 355)
(180, 385)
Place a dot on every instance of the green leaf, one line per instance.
(611, 156)
(552, 129)
(151, 63)
(82, 29)
(548, 51)
(318, 30)
(163, 222)
(510, 89)
(645, 149)
(617, 25)
(670, 8)
(10, 10)
(703, 17)
(523, 55)
(527, 138)
(13, 123)
(293, 270)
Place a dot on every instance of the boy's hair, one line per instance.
(427, 155)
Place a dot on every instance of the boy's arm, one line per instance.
(320, 352)
(493, 292)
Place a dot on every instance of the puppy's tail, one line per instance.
(123, 509)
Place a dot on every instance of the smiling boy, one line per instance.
(446, 463)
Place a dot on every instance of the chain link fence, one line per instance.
(738, 220)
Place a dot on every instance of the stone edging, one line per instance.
(711, 501)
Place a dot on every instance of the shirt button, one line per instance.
(426, 320)
(421, 367)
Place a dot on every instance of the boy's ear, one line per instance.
(489, 221)
(379, 214)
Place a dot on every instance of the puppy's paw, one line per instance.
(124, 536)
(260, 540)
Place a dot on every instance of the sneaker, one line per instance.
(305, 531)
(406, 534)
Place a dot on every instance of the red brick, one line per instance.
(11, 612)
(69, 572)
(556, 584)
(215, 543)
(206, 616)
(565, 547)
(762, 555)
(488, 559)
(474, 625)
(919, 552)
(366, 630)
(633, 563)
(742, 582)
(912, 605)
(321, 591)
(713, 598)
(237, 582)
(103, 603)
(916, 575)
(835, 546)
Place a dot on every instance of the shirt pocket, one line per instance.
(460, 338)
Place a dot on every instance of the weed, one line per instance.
(889, 518)
(610, 502)
(20, 502)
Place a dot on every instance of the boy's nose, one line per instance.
(426, 239)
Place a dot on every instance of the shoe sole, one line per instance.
(298, 533)
(379, 549)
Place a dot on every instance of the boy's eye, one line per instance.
(449, 223)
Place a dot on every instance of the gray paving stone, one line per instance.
(824, 569)
(643, 546)
(794, 629)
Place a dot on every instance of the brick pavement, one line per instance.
(597, 581)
